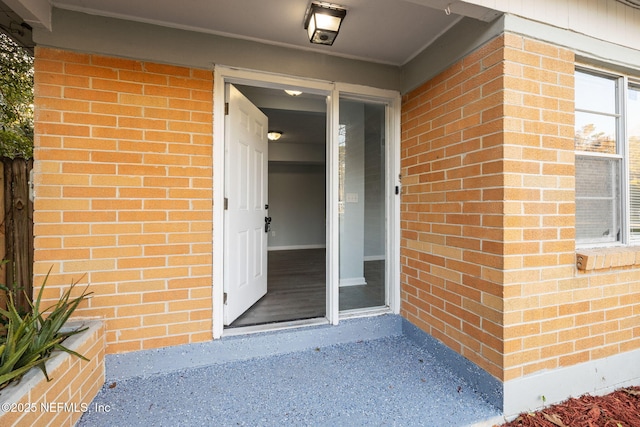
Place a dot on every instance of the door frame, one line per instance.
(333, 92)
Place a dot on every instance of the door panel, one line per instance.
(246, 191)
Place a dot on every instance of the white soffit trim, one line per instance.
(463, 8)
(36, 13)
(581, 44)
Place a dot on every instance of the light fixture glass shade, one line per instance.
(274, 135)
(323, 23)
(293, 92)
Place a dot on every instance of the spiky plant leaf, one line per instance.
(28, 340)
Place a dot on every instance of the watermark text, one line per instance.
(53, 407)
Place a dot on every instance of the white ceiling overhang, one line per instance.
(382, 31)
(36, 13)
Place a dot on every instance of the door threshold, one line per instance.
(364, 312)
(292, 324)
(277, 326)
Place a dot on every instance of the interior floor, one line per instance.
(296, 289)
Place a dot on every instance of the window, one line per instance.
(607, 143)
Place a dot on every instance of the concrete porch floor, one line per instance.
(363, 372)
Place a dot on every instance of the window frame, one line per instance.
(624, 82)
(629, 82)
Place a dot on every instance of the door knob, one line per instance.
(267, 224)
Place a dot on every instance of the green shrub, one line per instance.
(28, 340)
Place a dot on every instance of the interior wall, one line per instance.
(352, 195)
(296, 205)
(374, 184)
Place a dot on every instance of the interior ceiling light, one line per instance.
(293, 92)
(323, 22)
(274, 135)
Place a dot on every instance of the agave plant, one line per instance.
(28, 340)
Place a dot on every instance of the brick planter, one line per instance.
(74, 383)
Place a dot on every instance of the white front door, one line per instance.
(246, 193)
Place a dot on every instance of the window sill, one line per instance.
(605, 258)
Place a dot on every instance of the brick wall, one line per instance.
(123, 183)
(539, 221)
(452, 211)
(488, 217)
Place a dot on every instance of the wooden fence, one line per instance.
(16, 228)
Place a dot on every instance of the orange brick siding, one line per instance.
(539, 241)
(123, 182)
(452, 212)
(488, 217)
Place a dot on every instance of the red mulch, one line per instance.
(618, 409)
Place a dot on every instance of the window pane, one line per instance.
(595, 133)
(633, 122)
(595, 93)
(597, 200)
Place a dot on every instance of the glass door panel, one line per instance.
(362, 204)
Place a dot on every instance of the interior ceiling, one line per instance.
(301, 119)
(383, 31)
(298, 127)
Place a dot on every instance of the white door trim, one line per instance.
(221, 76)
(333, 221)
(333, 91)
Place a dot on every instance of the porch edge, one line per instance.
(491, 388)
(244, 347)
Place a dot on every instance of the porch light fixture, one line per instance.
(323, 22)
(274, 135)
(293, 92)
